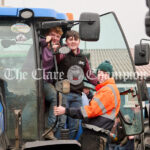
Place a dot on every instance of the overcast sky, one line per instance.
(131, 13)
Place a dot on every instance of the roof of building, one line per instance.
(120, 60)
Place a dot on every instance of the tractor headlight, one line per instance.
(26, 13)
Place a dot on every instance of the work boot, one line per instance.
(50, 136)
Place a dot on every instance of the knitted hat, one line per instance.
(106, 67)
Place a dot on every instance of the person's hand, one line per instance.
(48, 39)
(59, 110)
(55, 47)
(130, 137)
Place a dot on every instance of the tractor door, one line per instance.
(112, 46)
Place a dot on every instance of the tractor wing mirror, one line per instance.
(141, 54)
(89, 26)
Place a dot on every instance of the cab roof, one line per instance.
(38, 13)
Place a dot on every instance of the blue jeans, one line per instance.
(73, 100)
(50, 96)
(118, 147)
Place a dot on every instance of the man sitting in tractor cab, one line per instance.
(50, 45)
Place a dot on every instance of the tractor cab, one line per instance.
(22, 108)
(22, 75)
(22, 105)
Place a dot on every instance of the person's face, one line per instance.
(55, 37)
(86, 91)
(102, 76)
(73, 43)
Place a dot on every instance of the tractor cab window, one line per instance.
(17, 62)
(112, 46)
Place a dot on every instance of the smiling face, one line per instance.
(55, 37)
(73, 40)
(73, 43)
(55, 34)
(102, 76)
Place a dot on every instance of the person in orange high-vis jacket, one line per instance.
(98, 117)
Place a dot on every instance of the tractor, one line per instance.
(22, 104)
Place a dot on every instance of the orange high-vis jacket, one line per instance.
(104, 106)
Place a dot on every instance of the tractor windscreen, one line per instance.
(17, 62)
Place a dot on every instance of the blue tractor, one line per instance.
(22, 106)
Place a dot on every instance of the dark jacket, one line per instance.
(71, 60)
(102, 110)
